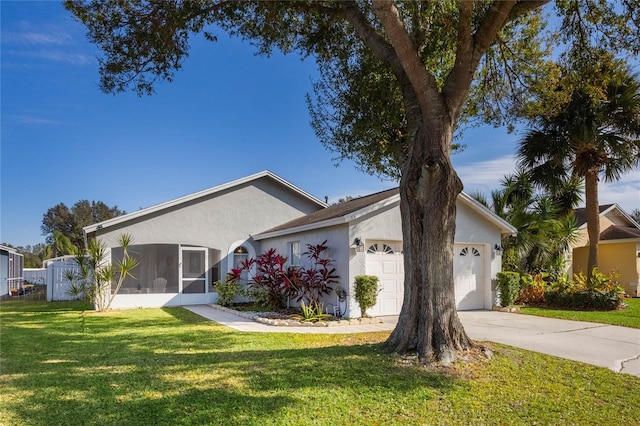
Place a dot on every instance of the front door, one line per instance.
(194, 267)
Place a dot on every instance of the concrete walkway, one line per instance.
(613, 347)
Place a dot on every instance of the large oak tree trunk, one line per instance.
(592, 210)
(428, 323)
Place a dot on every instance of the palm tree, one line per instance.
(589, 138)
(62, 245)
(544, 222)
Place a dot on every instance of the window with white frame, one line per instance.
(293, 253)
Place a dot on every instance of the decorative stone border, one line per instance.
(512, 309)
(286, 322)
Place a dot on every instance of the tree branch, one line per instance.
(375, 41)
(421, 80)
(522, 7)
(471, 48)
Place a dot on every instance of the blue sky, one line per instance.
(227, 114)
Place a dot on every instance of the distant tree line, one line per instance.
(62, 228)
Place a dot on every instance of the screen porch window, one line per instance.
(157, 270)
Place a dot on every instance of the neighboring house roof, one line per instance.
(200, 194)
(7, 248)
(581, 215)
(619, 233)
(358, 207)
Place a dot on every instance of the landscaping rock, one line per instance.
(512, 309)
(279, 319)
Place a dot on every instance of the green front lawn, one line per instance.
(171, 367)
(629, 317)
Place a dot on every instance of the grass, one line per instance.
(629, 317)
(61, 365)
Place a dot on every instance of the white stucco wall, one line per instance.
(382, 225)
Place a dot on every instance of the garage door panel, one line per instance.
(390, 287)
(390, 307)
(389, 267)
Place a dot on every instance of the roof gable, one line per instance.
(358, 207)
(201, 194)
(605, 209)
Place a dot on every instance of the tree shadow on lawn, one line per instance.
(227, 387)
(188, 371)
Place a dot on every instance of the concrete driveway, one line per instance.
(613, 347)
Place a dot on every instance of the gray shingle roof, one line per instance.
(620, 232)
(337, 210)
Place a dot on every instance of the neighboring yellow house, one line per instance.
(618, 250)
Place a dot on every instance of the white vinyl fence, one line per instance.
(35, 276)
(57, 282)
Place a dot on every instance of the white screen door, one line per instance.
(193, 275)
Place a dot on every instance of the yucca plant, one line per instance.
(94, 278)
(313, 312)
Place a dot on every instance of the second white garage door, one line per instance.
(468, 272)
(385, 260)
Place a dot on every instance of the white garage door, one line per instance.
(468, 271)
(385, 260)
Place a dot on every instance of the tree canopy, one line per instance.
(69, 221)
(399, 78)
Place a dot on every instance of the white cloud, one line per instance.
(625, 192)
(58, 56)
(36, 38)
(32, 120)
(60, 43)
(485, 175)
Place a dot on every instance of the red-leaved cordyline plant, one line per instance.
(270, 276)
(316, 279)
(306, 283)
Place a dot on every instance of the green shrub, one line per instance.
(509, 286)
(259, 296)
(601, 292)
(366, 292)
(532, 289)
(227, 291)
